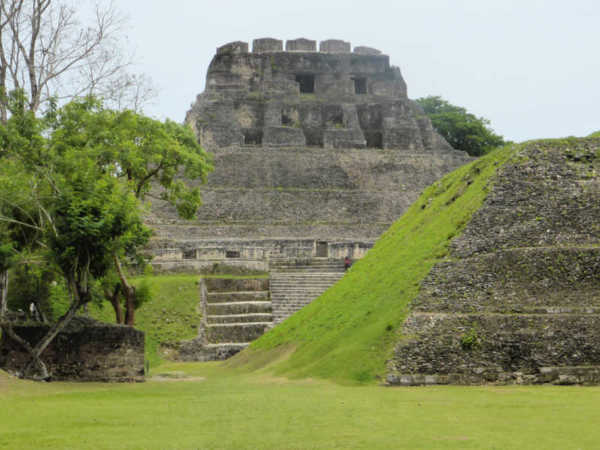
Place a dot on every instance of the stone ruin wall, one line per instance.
(331, 98)
(85, 350)
(316, 153)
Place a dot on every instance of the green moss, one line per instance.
(348, 333)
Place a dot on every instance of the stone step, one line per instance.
(505, 280)
(236, 332)
(241, 296)
(236, 284)
(221, 309)
(239, 318)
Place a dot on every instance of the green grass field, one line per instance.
(220, 408)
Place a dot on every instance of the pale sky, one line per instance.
(532, 67)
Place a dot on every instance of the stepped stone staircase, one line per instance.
(237, 311)
(296, 283)
(234, 313)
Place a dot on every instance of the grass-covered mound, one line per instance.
(347, 334)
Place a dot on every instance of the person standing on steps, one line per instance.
(347, 263)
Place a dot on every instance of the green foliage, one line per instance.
(462, 130)
(139, 149)
(595, 134)
(470, 340)
(34, 283)
(348, 333)
(74, 180)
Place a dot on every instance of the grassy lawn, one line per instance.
(221, 408)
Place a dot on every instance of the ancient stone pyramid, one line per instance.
(518, 300)
(316, 153)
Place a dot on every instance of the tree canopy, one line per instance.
(463, 130)
(73, 182)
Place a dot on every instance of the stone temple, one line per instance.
(316, 153)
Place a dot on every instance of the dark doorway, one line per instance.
(306, 82)
(322, 249)
(360, 85)
(286, 120)
(374, 139)
(252, 136)
(189, 254)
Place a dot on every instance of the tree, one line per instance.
(80, 213)
(147, 153)
(463, 130)
(83, 172)
(46, 51)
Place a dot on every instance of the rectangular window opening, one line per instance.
(286, 120)
(322, 249)
(306, 83)
(189, 254)
(232, 254)
(252, 137)
(360, 85)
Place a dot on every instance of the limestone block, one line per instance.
(344, 138)
(361, 50)
(233, 48)
(301, 45)
(283, 136)
(267, 45)
(334, 46)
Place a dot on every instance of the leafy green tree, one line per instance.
(463, 130)
(146, 153)
(84, 171)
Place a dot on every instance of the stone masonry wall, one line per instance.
(518, 301)
(85, 350)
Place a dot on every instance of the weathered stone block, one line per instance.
(301, 45)
(342, 138)
(267, 45)
(334, 46)
(233, 48)
(233, 284)
(361, 50)
(284, 136)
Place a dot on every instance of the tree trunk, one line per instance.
(130, 309)
(3, 294)
(128, 293)
(36, 369)
(40, 371)
(116, 304)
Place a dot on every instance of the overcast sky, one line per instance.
(532, 67)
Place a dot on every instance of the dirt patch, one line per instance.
(175, 376)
